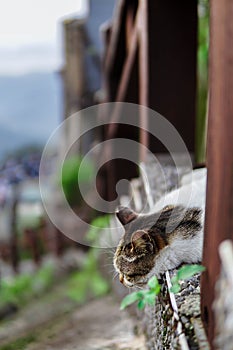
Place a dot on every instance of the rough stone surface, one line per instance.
(223, 305)
(159, 323)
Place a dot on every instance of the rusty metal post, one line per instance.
(143, 77)
(219, 212)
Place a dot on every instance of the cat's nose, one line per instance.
(121, 278)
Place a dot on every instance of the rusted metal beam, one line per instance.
(119, 45)
(172, 42)
(121, 81)
(116, 42)
(142, 25)
(124, 81)
(219, 212)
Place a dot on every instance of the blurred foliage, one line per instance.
(29, 219)
(19, 344)
(17, 290)
(95, 228)
(202, 78)
(74, 174)
(89, 282)
(79, 286)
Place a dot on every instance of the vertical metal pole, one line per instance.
(143, 76)
(219, 212)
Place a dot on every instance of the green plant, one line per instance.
(143, 297)
(74, 174)
(202, 78)
(88, 282)
(19, 344)
(96, 226)
(184, 273)
(147, 296)
(19, 289)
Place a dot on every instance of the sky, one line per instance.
(30, 34)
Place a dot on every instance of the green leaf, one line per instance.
(157, 289)
(188, 271)
(153, 282)
(150, 298)
(175, 288)
(130, 299)
(174, 279)
(141, 304)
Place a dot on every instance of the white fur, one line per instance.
(179, 251)
(192, 192)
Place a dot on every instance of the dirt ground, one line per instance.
(48, 325)
(97, 325)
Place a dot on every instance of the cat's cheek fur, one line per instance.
(115, 265)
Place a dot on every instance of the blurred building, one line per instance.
(83, 50)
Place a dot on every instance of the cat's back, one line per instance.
(191, 193)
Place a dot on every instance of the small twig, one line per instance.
(181, 336)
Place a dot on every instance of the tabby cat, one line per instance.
(159, 241)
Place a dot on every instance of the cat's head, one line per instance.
(135, 255)
(146, 236)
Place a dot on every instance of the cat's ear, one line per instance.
(141, 239)
(125, 215)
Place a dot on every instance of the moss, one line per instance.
(19, 344)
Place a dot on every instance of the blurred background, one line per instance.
(31, 59)
(43, 47)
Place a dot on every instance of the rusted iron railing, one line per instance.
(150, 55)
(219, 205)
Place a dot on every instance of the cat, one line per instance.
(165, 238)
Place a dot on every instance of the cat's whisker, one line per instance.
(138, 287)
(109, 251)
(109, 265)
(107, 254)
(107, 244)
(109, 258)
(114, 276)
